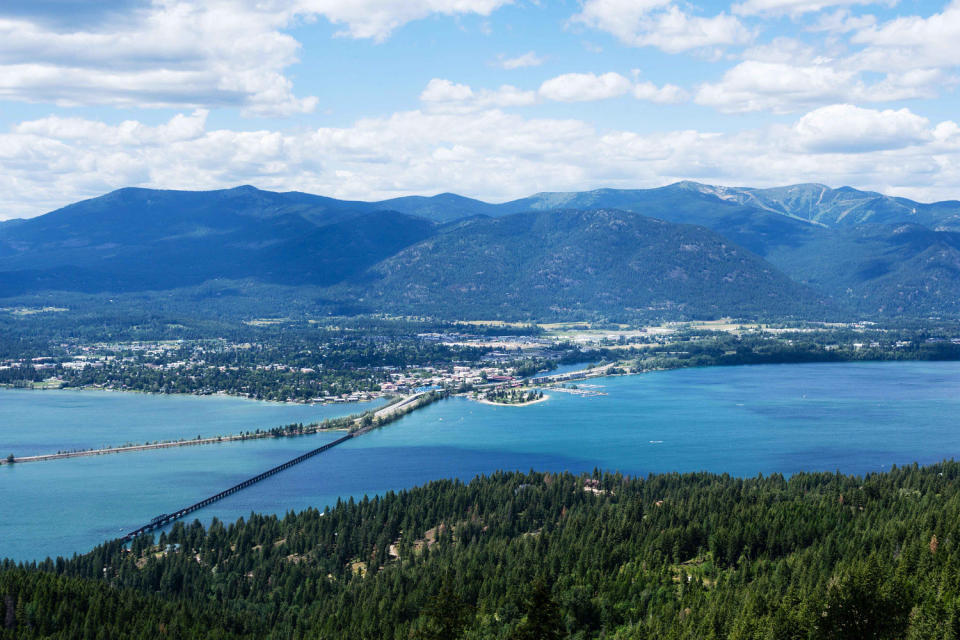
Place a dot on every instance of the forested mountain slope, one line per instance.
(902, 269)
(818, 556)
(574, 263)
(813, 203)
(850, 247)
(843, 207)
(870, 253)
(286, 249)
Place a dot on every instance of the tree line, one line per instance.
(535, 555)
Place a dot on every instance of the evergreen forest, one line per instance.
(534, 555)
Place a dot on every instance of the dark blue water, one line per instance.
(745, 420)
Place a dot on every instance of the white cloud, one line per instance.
(842, 21)
(791, 7)
(789, 51)
(775, 86)
(916, 57)
(844, 128)
(487, 153)
(675, 31)
(661, 24)
(529, 59)
(377, 19)
(912, 42)
(443, 90)
(903, 59)
(785, 87)
(441, 94)
(667, 94)
(130, 132)
(176, 53)
(583, 87)
(915, 83)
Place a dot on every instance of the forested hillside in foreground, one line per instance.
(536, 556)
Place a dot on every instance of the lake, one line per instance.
(853, 417)
(35, 422)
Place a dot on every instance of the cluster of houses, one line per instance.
(156, 356)
(438, 377)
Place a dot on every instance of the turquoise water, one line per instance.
(746, 420)
(564, 368)
(35, 422)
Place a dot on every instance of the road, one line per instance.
(582, 374)
(381, 414)
(135, 447)
(402, 406)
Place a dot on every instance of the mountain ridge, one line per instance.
(446, 205)
(571, 263)
(846, 244)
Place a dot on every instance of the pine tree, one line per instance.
(542, 620)
(446, 615)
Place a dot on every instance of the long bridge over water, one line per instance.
(167, 518)
(389, 412)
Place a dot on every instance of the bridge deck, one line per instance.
(386, 413)
(167, 518)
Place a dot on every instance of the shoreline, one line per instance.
(385, 411)
(169, 444)
(510, 404)
(600, 374)
(216, 394)
(388, 412)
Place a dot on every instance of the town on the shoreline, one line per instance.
(289, 361)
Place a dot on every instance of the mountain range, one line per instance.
(684, 250)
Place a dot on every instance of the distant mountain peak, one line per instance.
(851, 245)
(807, 186)
(693, 185)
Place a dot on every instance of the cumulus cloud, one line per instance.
(661, 24)
(376, 19)
(860, 61)
(129, 132)
(487, 153)
(176, 53)
(775, 86)
(912, 42)
(915, 83)
(842, 21)
(785, 87)
(787, 50)
(844, 128)
(441, 94)
(583, 87)
(529, 59)
(792, 7)
(443, 90)
(667, 94)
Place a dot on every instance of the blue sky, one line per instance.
(494, 99)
